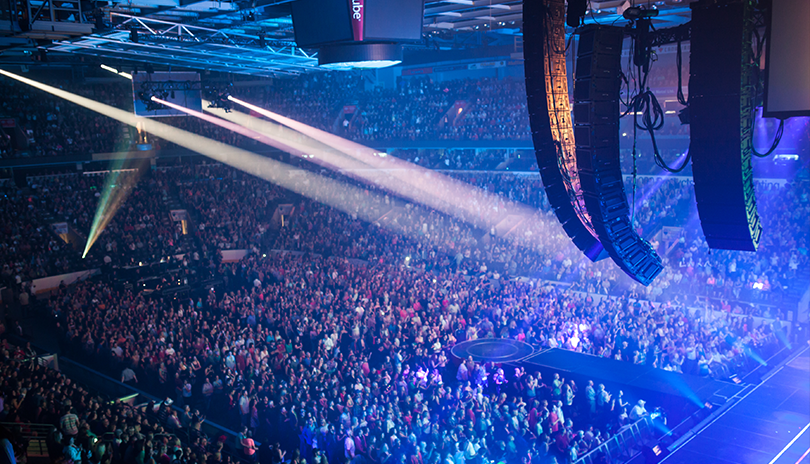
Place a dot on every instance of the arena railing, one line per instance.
(33, 435)
(624, 445)
(99, 383)
(113, 387)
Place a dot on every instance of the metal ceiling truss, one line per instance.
(507, 14)
(257, 37)
(170, 43)
(271, 15)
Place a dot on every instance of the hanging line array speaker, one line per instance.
(596, 117)
(721, 106)
(550, 118)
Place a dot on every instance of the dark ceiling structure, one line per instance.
(249, 37)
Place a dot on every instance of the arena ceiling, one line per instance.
(254, 37)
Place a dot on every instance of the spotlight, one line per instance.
(147, 98)
(637, 12)
(219, 98)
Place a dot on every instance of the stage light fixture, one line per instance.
(636, 12)
(219, 97)
(147, 97)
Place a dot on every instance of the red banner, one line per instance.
(358, 14)
(8, 123)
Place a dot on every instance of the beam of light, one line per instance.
(754, 355)
(780, 335)
(313, 149)
(339, 195)
(117, 188)
(302, 145)
(731, 340)
(661, 427)
(115, 71)
(282, 144)
(801, 459)
(649, 190)
(750, 352)
(776, 458)
(678, 383)
(442, 193)
(438, 188)
(401, 179)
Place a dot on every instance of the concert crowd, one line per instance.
(330, 341)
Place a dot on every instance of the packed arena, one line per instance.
(234, 237)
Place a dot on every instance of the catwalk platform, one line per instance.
(770, 424)
(496, 350)
(612, 373)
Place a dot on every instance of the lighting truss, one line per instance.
(175, 44)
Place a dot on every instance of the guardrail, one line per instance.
(34, 435)
(114, 388)
(624, 445)
(99, 383)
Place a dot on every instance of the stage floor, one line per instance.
(769, 426)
